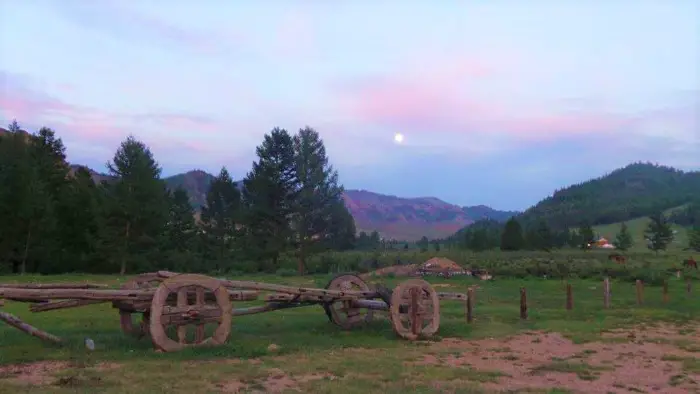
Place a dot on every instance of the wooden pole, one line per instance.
(52, 286)
(15, 322)
(665, 293)
(640, 292)
(523, 303)
(688, 286)
(606, 293)
(569, 298)
(470, 305)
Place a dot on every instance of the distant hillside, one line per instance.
(634, 191)
(195, 183)
(479, 212)
(412, 218)
(393, 217)
(636, 228)
(96, 176)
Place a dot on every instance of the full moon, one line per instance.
(398, 138)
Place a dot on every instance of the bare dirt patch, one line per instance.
(540, 361)
(277, 381)
(38, 373)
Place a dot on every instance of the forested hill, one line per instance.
(636, 190)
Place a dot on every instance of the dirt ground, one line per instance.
(658, 359)
(653, 359)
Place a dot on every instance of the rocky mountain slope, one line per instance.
(393, 217)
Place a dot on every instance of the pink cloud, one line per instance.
(444, 103)
(18, 100)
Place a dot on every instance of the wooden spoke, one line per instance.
(126, 316)
(342, 312)
(205, 310)
(415, 309)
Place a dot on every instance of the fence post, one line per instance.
(523, 303)
(606, 293)
(470, 305)
(665, 293)
(640, 292)
(688, 286)
(569, 297)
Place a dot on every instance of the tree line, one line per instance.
(56, 219)
(512, 236)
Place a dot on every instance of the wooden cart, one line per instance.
(166, 304)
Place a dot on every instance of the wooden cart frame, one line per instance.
(169, 303)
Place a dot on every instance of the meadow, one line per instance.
(554, 351)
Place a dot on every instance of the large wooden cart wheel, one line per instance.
(143, 281)
(201, 300)
(343, 313)
(415, 309)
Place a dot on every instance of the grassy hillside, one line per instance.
(631, 192)
(636, 228)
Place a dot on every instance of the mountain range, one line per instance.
(405, 219)
(633, 191)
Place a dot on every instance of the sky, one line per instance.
(500, 102)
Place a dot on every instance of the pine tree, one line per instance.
(81, 222)
(180, 232)
(478, 241)
(694, 238)
(423, 244)
(138, 206)
(20, 207)
(586, 235)
(220, 218)
(318, 191)
(269, 194)
(658, 233)
(341, 235)
(512, 236)
(623, 239)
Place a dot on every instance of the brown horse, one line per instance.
(690, 263)
(618, 258)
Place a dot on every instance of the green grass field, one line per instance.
(637, 228)
(300, 350)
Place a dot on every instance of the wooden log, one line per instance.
(470, 305)
(29, 295)
(269, 307)
(28, 300)
(606, 293)
(15, 322)
(65, 304)
(523, 303)
(79, 294)
(52, 286)
(569, 297)
(166, 274)
(640, 291)
(305, 298)
(665, 292)
(245, 285)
